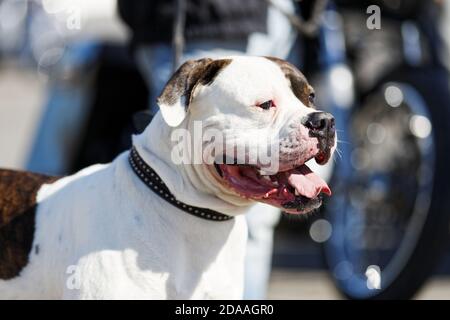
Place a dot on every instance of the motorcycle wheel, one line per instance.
(390, 210)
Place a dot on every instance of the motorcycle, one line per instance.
(389, 91)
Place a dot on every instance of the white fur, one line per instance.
(126, 242)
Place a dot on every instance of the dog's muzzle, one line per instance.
(321, 125)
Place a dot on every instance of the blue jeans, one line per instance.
(65, 113)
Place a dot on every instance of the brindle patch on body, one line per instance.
(18, 191)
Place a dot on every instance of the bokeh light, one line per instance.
(320, 231)
(420, 126)
(376, 133)
(393, 96)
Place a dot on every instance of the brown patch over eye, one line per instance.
(312, 99)
(308, 97)
(299, 85)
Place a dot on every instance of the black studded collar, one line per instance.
(151, 179)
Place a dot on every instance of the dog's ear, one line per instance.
(179, 90)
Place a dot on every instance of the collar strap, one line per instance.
(151, 179)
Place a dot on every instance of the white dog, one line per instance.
(148, 227)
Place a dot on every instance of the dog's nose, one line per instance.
(321, 124)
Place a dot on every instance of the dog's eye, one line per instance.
(267, 105)
(312, 97)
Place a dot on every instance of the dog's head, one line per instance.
(259, 127)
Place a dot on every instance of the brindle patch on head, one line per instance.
(299, 84)
(18, 191)
(188, 76)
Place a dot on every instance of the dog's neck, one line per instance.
(189, 183)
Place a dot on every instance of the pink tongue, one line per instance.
(307, 183)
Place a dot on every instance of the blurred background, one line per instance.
(74, 73)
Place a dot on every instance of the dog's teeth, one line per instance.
(297, 193)
(275, 183)
(267, 195)
(267, 178)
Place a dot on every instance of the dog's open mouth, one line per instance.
(298, 190)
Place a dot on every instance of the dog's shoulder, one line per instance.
(18, 193)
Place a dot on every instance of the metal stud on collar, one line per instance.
(151, 179)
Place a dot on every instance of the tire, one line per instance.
(413, 260)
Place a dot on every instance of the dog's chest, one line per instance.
(166, 265)
(189, 261)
